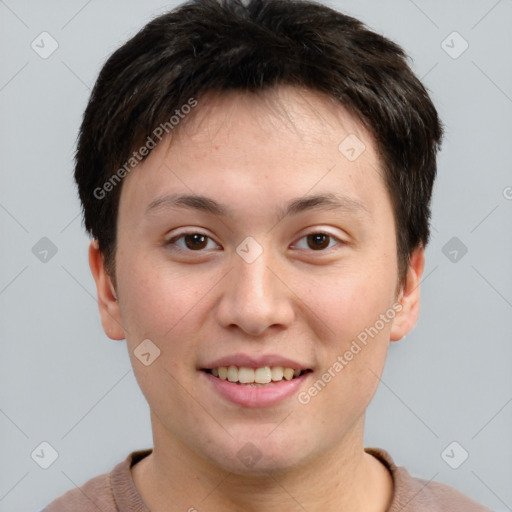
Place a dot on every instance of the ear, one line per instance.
(107, 299)
(409, 297)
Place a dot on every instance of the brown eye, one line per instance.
(318, 241)
(195, 241)
(191, 242)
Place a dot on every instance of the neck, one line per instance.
(342, 479)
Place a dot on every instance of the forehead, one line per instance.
(293, 140)
(312, 116)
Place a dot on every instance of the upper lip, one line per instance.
(259, 361)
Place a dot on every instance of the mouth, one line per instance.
(249, 380)
(255, 377)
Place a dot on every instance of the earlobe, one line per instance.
(107, 299)
(409, 298)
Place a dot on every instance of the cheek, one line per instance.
(357, 310)
(348, 301)
(158, 303)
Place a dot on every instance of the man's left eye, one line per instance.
(319, 241)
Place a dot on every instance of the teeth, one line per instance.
(263, 375)
(246, 375)
(233, 374)
(277, 373)
(288, 373)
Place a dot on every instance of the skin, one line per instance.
(253, 154)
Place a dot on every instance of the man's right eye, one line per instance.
(191, 241)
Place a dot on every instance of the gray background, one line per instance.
(64, 382)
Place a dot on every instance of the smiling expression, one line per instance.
(250, 240)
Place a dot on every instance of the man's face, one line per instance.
(258, 283)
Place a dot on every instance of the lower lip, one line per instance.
(256, 396)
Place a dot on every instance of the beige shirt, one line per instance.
(116, 492)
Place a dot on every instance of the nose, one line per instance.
(255, 297)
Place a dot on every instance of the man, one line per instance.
(257, 182)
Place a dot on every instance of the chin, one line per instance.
(258, 453)
(252, 463)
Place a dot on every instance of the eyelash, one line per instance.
(172, 241)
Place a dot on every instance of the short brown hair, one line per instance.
(220, 45)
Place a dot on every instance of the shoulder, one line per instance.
(418, 495)
(108, 492)
(441, 497)
(96, 492)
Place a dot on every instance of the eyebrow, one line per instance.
(327, 201)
